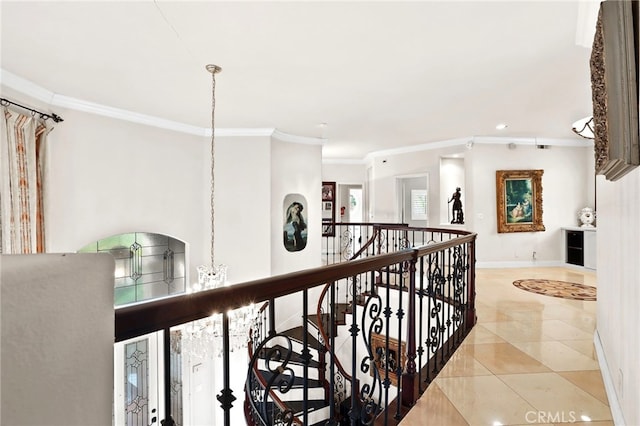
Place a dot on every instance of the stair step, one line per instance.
(296, 358)
(312, 405)
(297, 334)
(393, 286)
(297, 381)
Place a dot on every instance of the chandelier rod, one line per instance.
(213, 69)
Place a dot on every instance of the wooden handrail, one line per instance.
(139, 319)
(443, 245)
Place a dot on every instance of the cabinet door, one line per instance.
(590, 252)
(575, 247)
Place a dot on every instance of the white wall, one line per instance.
(344, 173)
(107, 177)
(619, 293)
(567, 186)
(383, 185)
(296, 169)
(564, 190)
(345, 176)
(57, 339)
(243, 206)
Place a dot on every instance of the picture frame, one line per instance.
(382, 357)
(328, 229)
(328, 191)
(328, 209)
(519, 200)
(614, 87)
(295, 229)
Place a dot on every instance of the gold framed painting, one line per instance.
(519, 200)
(387, 359)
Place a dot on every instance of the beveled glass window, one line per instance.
(147, 265)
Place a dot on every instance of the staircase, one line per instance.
(280, 368)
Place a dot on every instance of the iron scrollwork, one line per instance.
(435, 287)
(280, 377)
(369, 392)
(346, 244)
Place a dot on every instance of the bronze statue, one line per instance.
(458, 215)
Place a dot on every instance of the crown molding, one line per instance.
(500, 140)
(125, 115)
(417, 148)
(39, 93)
(286, 137)
(344, 161)
(25, 87)
(468, 142)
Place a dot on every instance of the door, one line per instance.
(137, 382)
(413, 200)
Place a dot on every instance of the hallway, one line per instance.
(529, 360)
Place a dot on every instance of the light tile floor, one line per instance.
(530, 360)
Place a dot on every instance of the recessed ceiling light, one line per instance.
(501, 126)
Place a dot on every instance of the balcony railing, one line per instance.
(370, 329)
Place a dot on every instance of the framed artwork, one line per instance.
(328, 229)
(295, 225)
(519, 200)
(328, 209)
(387, 359)
(328, 191)
(614, 89)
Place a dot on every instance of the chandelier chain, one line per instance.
(213, 69)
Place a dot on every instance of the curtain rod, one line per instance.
(54, 117)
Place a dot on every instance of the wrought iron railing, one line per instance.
(410, 295)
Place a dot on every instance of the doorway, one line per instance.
(147, 266)
(137, 384)
(413, 200)
(350, 210)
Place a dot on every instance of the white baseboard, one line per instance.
(520, 264)
(614, 404)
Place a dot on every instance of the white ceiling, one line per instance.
(382, 75)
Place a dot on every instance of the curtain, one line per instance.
(22, 154)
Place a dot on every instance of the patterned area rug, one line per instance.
(563, 289)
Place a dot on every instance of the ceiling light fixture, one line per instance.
(584, 128)
(501, 126)
(211, 275)
(204, 337)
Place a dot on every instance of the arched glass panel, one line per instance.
(147, 265)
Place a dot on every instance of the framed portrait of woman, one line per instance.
(295, 224)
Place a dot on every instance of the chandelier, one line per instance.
(203, 335)
(211, 275)
(584, 128)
